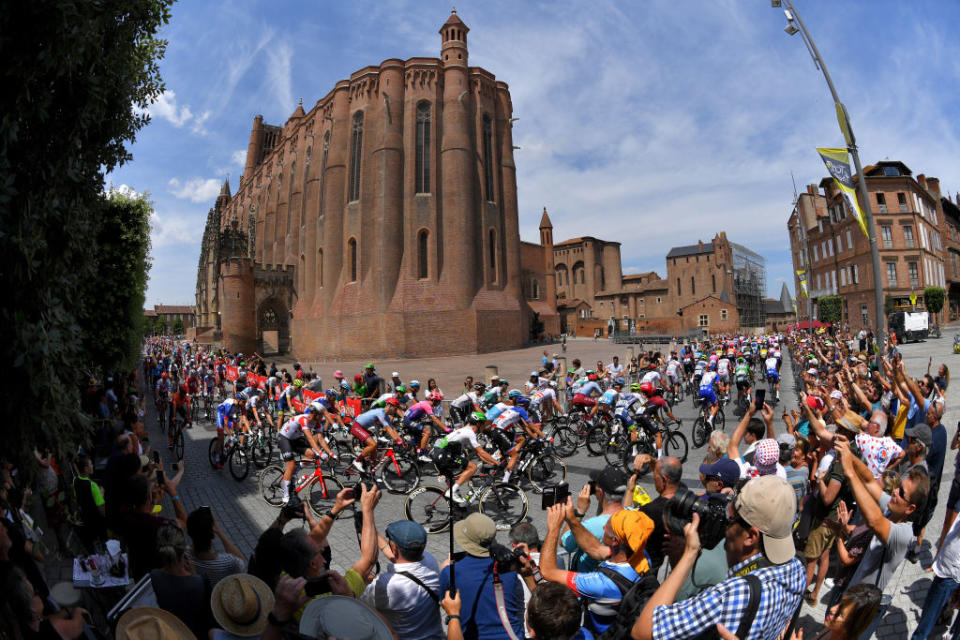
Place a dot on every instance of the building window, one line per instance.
(723, 314)
(908, 237)
(356, 148)
(914, 275)
(423, 148)
(693, 286)
(293, 173)
(863, 315)
(578, 273)
(856, 274)
(713, 283)
(704, 320)
(352, 252)
(535, 289)
(892, 275)
(881, 203)
(849, 240)
(492, 241)
(319, 267)
(563, 276)
(815, 256)
(679, 292)
(658, 299)
(488, 157)
(422, 261)
(902, 201)
(887, 235)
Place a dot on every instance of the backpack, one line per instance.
(635, 596)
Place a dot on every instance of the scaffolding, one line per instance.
(749, 285)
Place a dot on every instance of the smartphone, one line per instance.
(556, 494)
(316, 586)
(593, 486)
(156, 457)
(760, 395)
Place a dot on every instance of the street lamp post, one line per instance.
(807, 266)
(795, 25)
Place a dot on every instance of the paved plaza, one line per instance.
(244, 515)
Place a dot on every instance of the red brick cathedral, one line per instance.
(383, 221)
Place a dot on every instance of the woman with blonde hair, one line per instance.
(716, 447)
(177, 587)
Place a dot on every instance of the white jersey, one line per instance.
(770, 364)
(541, 383)
(723, 366)
(653, 377)
(295, 427)
(672, 367)
(708, 379)
(548, 395)
(464, 435)
(469, 398)
(507, 419)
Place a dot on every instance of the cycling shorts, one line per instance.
(413, 425)
(708, 396)
(724, 377)
(625, 418)
(673, 377)
(359, 432)
(291, 449)
(223, 421)
(743, 383)
(502, 440)
(773, 376)
(583, 401)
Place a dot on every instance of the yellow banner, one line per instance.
(802, 275)
(838, 164)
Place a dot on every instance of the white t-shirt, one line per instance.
(947, 562)
(405, 604)
(615, 370)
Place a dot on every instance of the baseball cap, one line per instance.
(770, 504)
(475, 534)
(407, 534)
(815, 403)
(766, 456)
(922, 433)
(534, 373)
(812, 371)
(395, 374)
(370, 366)
(836, 394)
(611, 479)
(726, 469)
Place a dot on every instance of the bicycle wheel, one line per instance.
(178, 445)
(597, 440)
(676, 445)
(400, 475)
(546, 470)
(212, 452)
(323, 494)
(239, 462)
(262, 451)
(630, 451)
(613, 452)
(701, 432)
(565, 441)
(428, 507)
(271, 489)
(720, 420)
(506, 504)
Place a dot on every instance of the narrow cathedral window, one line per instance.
(423, 148)
(488, 157)
(422, 260)
(353, 260)
(356, 146)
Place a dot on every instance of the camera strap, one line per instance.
(410, 576)
(501, 604)
(760, 563)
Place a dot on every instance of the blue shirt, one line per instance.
(602, 594)
(782, 587)
(581, 561)
(478, 613)
(937, 453)
(372, 417)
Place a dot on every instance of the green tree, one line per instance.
(77, 78)
(830, 309)
(178, 327)
(162, 327)
(933, 299)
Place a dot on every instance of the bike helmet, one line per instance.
(344, 385)
(553, 384)
(393, 402)
(504, 382)
(414, 384)
(476, 417)
(523, 401)
(400, 389)
(330, 393)
(619, 382)
(534, 374)
(241, 397)
(298, 383)
(436, 396)
(592, 377)
(635, 387)
(647, 387)
(316, 407)
(165, 375)
(514, 394)
(479, 387)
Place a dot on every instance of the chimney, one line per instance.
(812, 189)
(700, 245)
(933, 186)
(922, 179)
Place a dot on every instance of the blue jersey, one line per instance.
(372, 417)
(609, 397)
(494, 412)
(590, 388)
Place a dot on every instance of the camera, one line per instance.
(448, 458)
(357, 490)
(505, 558)
(713, 515)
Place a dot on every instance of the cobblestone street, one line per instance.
(244, 515)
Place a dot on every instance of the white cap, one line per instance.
(395, 374)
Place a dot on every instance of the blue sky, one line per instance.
(654, 123)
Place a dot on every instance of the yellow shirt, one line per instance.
(900, 422)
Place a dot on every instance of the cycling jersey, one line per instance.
(416, 412)
(672, 367)
(296, 426)
(496, 410)
(467, 399)
(771, 365)
(723, 366)
(742, 372)
(371, 418)
(382, 400)
(590, 388)
(700, 367)
(465, 436)
(653, 377)
(541, 383)
(163, 388)
(228, 412)
(706, 382)
(547, 394)
(492, 396)
(510, 417)
(578, 385)
(609, 397)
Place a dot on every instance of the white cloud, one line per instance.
(125, 190)
(239, 157)
(278, 74)
(197, 126)
(173, 229)
(195, 189)
(165, 106)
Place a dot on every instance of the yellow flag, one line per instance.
(913, 299)
(838, 164)
(802, 275)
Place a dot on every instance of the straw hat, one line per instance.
(241, 603)
(151, 623)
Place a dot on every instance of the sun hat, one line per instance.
(475, 534)
(151, 623)
(241, 603)
(787, 440)
(343, 617)
(770, 504)
(407, 534)
(338, 374)
(766, 456)
(634, 528)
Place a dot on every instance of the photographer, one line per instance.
(667, 476)
(480, 618)
(608, 486)
(623, 545)
(758, 542)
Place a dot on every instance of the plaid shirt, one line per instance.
(783, 587)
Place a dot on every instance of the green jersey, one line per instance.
(742, 371)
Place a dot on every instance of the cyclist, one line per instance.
(494, 394)
(466, 403)
(255, 410)
(162, 392)
(272, 386)
(181, 412)
(708, 396)
(743, 376)
(465, 440)
(399, 394)
(536, 382)
(609, 398)
(583, 395)
(414, 389)
(412, 422)
(772, 365)
(361, 427)
(653, 403)
(506, 439)
(287, 396)
(723, 375)
(673, 372)
(229, 413)
(653, 377)
(545, 401)
(296, 437)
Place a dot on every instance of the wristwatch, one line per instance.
(329, 513)
(452, 617)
